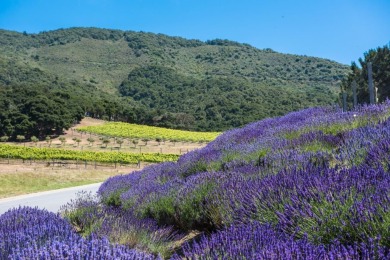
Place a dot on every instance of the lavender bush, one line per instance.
(89, 217)
(318, 173)
(256, 241)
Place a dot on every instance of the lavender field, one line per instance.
(313, 184)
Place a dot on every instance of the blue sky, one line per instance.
(340, 30)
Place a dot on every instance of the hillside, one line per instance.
(160, 80)
(313, 184)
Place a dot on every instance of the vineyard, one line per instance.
(20, 152)
(125, 130)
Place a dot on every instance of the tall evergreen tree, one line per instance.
(380, 59)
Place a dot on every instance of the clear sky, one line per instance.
(340, 30)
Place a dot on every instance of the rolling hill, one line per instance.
(168, 81)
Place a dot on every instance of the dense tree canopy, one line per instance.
(34, 111)
(213, 103)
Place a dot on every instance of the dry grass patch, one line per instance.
(22, 179)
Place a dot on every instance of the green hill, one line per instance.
(168, 81)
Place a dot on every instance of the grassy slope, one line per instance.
(108, 61)
(103, 63)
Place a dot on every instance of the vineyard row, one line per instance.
(20, 152)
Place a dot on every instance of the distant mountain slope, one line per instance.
(240, 83)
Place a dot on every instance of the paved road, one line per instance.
(50, 200)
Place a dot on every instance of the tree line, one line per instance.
(39, 111)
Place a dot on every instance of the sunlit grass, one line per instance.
(337, 128)
(15, 183)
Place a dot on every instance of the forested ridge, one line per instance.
(152, 79)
